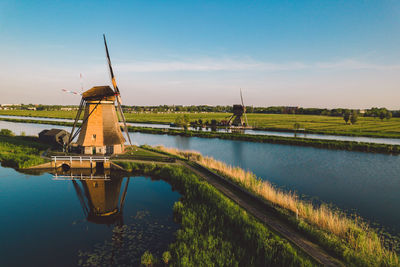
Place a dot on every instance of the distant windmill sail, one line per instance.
(244, 107)
(116, 90)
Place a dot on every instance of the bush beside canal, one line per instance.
(216, 231)
(20, 151)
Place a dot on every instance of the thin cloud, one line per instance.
(246, 65)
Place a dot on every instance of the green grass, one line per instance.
(366, 126)
(21, 151)
(138, 153)
(215, 231)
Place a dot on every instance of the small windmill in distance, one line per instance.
(239, 111)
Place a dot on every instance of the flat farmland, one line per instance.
(365, 126)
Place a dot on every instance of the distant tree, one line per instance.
(388, 115)
(354, 117)
(346, 116)
(6, 132)
(296, 126)
(179, 120)
(382, 115)
(186, 121)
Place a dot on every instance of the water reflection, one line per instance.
(99, 193)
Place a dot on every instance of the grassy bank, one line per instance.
(366, 126)
(216, 231)
(327, 144)
(20, 151)
(351, 240)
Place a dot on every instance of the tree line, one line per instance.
(382, 113)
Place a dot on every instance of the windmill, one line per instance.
(100, 132)
(238, 112)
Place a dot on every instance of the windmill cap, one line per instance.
(98, 93)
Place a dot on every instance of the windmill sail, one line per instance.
(116, 90)
(244, 107)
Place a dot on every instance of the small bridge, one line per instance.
(80, 162)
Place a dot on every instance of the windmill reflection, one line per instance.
(100, 200)
(99, 194)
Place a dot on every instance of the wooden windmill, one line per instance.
(100, 132)
(239, 111)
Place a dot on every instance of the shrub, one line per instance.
(147, 259)
(166, 257)
(6, 132)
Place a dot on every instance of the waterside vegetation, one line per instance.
(351, 240)
(20, 151)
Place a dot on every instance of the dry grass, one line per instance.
(356, 234)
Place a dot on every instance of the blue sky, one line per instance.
(304, 53)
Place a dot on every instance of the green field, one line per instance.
(366, 126)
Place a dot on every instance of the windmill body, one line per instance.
(100, 132)
(239, 111)
(237, 117)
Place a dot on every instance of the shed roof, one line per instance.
(55, 131)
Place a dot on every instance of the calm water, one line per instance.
(366, 183)
(390, 141)
(48, 222)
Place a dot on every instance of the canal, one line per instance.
(364, 183)
(48, 222)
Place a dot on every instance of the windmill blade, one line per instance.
(78, 115)
(70, 92)
(122, 202)
(114, 83)
(116, 90)
(244, 107)
(123, 119)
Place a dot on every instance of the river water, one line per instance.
(364, 183)
(47, 222)
(389, 141)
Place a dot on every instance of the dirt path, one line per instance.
(266, 215)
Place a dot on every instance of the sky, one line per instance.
(281, 53)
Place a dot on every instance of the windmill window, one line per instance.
(94, 137)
